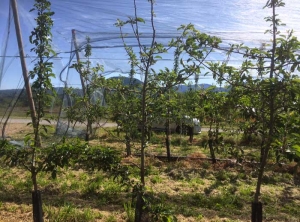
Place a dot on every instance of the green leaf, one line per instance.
(140, 20)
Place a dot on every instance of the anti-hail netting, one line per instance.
(233, 23)
(108, 51)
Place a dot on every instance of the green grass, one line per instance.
(191, 189)
(70, 213)
(82, 196)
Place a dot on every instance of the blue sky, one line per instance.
(234, 21)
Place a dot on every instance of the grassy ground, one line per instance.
(192, 189)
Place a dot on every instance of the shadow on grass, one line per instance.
(224, 203)
(106, 200)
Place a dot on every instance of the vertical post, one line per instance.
(168, 142)
(84, 91)
(23, 63)
(36, 196)
(78, 59)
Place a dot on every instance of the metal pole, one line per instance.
(23, 63)
(78, 60)
(84, 91)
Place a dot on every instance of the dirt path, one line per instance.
(53, 122)
(18, 127)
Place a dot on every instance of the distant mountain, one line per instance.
(13, 93)
(180, 88)
(127, 81)
(185, 88)
(10, 92)
(9, 95)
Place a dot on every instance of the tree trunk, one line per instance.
(191, 133)
(37, 206)
(128, 145)
(272, 110)
(256, 212)
(168, 148)
(211, 146)
(118, 130)
(211, 149)
(168, 140)
(139, 207)
(149, 133)
(217, 136)
(87, 136)
(262, 151)
(261, 171)
(140, 202)
(89, 131)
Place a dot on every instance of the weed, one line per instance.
(155, 139)
(187, 211)
(180, 141)
(160, 150)
(156, 179)
(176, 174)
(111, 218)
(12, 208)
(267, 198)
(158, 208)
(25, 208)
(64, 187)
(252, 140)
(204, 140)
(229, 141)
(196, 181)
(69, 213)
(254, 174)
(104, 136)
(233, 178)
(150, 170)
(206, 164)
(199, 217)
(24, 185)
(130, 212)
(222, 175)
(134, 171)
(246, 192)
(83, 176)
(74, 185)
(242, 176)
(291, 209)
(230, 189)
(222, 201)
(93, 186)
(276, 178)
(109, 192)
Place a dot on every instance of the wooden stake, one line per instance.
(78, 60)
(23, 63)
